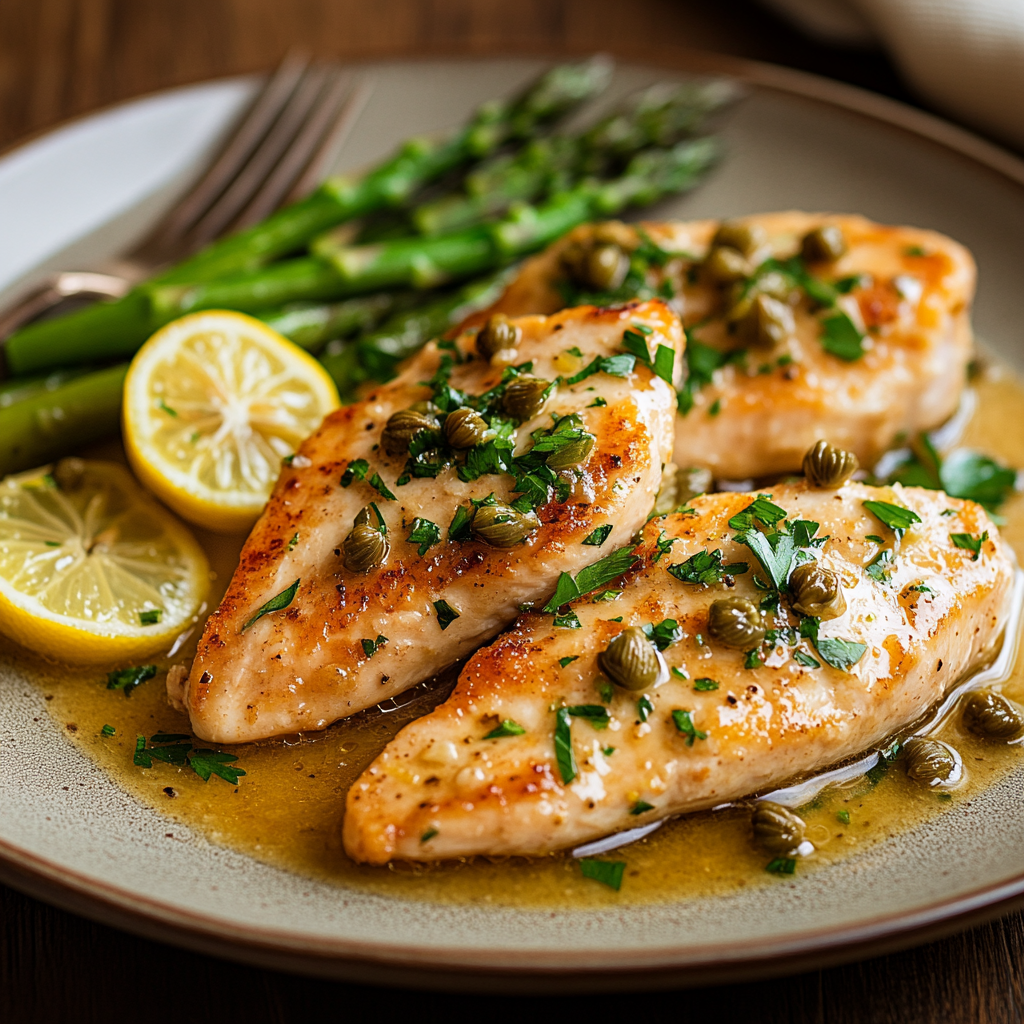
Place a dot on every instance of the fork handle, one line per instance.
(55, 290)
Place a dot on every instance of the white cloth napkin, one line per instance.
(965, 56)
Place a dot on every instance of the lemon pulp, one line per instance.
(213, 403)
(91, 568)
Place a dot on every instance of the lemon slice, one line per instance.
(212, 403)
(92, 569)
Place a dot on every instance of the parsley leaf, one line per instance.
(371, 647)
(107, 730)
(762, 510)
(607, 872)
(567, 620)
(598, 536)
(705, 684)
(357, 470)
(701, 362)
(380, 487)
(644, 708)
(507, 728)
(212, 762)
(446, 614)
(781, 866)
(684, 723)
(664, 634)
(564, 756)
(595, 714)
(662, 546)
(568, 659)
(150, 617)
(459, 528)
(880, 566)
(776, 553)
(425, 533)
(641, 807)
(128, 678)
(840, 654)
(840, 337)
(429, 834)
(705, 568)
(606, 595)
(276, 604)
(896, 517)
(806, 660)
(614, 366)
(969, 542)
(593, 576)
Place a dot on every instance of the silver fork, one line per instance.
(281, 149)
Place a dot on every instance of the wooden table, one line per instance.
(62, 58)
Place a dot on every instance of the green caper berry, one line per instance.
(524, 397)
(777, 829)
(502, 526)
(630, 660)
(725, 265)
(828, 466)
(365, 547)
(402, 427)
(744, 238)
(573, 454)
(607, 266)
(498, 336)
(931, 762)
(823, 244)
(991, 715)
(766, 322)
(735, 622)
(465, 428)
(816, 591)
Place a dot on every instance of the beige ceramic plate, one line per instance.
(69, 835)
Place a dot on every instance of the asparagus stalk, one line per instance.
(429, 262)
(116, 329)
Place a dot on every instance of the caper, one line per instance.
(464, 428)
(524, 397)
(631, 660)
(777, 829)
(823, 244)
(575, 453)
(725, 265)
(498, 337)
(735, 622)
(502, 526)
(402, 427)
(828, 466)
(932, 762)
(742, 237)
(767, 322)
(816, 591)
(992, 715)
(598, 267)
(365, 547)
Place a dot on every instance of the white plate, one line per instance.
(69, 835)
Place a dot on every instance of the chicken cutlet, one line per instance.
(756, 639)
(801, 326)
(411, 526)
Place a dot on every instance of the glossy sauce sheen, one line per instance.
(287, 809)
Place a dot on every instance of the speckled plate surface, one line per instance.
(70, 836)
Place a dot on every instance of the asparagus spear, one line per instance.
(661, 115)
(116, 329)
(429, 262)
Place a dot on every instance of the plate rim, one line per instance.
(463, 968)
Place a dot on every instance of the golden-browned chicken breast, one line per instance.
(805, 326)
(742, 649)
(411, 526)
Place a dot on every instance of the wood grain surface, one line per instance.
(63, 58)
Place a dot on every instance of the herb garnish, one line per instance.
(644, 708)
(595, 714)
(684, 723)
(701, 362)
(161, 404)
(429, 834)
(839, 335)
(150, 617)
(969, 542)
(762, 510)
(128, 679)
(705, 684)
(706, 568)
(446, 614)
(641, 807)
(664, 361)
(507, 728)
(107, 730)
(608, 872)
(170, 749)
(664, 634)
(781, 866)
(564, 756)
(357, 470)
(293, 541)
(840, 654)
(568, 659)
(371, 647)
(614, 366)
(276, 604)
(896, 517)
(606, 595)
(806, 660)
(593, 576)
(425, 533)
(598, 536)
(843, 817)
(880, 566)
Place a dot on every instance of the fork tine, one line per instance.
(262, 161)
(323, 160)
(322, 122)
(246, 137)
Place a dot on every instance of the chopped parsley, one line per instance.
(429, 834)
(781, 866)
(150, 617)
(424, 533)
(914, 250)
(874, 538)
(679, 673)
(843, 817)
(381, 488)
(128, 679)
(896, 517)
(614, 366)
(162, 405)
(607, 751)
(706, 568)
(598, 403)
(357, 470)
(644, 708)
(840, 654)
(276, 604)
(593, 576)
(806, 660)
(969, 542)
(920, 588)
(840, 337)
(753, 659)
(606, 595)
(664, 361)
(598, 536)
(880, 567)
(564, 756)
(607, 872)
(701, 363)
(567, 620)
(641, 807)
(705, 684)
(568, 659)
(107, 730)
(684, 723)
(371, 647)
(446, 614)
(776, 553)
(605, 690)
(507, 728)
(176, 749)
(662, 546)
(664, 634)
(762, 510)
(293, 542)
(595, 714)
(715, 408)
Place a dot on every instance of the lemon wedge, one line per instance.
(212, 403)
(92, 569)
